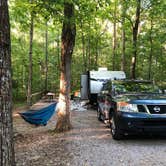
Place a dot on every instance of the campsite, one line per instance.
(82, 83)
(89, 143)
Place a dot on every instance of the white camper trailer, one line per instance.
(92, 82)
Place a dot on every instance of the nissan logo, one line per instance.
(156, 109)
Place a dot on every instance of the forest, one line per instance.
(126, 35)
(45, 46)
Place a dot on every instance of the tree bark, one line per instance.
(114, 38)
(123, 60)
(58, 53)
(6, 127)
(83, 49)
(67, 46)
(46, 57)
(135, 35)
(96, 54)
(89, 47)
(151, 50)
(29, 89)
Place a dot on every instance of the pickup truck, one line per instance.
(132, 107)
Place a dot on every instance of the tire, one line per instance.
(99, 114)
(115, 132)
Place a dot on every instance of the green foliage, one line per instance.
(93, 48)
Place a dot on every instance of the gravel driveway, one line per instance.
(88, 144)
(92, 145)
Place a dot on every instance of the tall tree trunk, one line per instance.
(68, 42)
(96, 54)
(46, 57)
(83, 49)
(29, 91)
(114, 37)
(6, 127)
(83, 53)
(23, 77)
(89, 49)
(151, 50)
(123, 60)
(135, 35)
(59, 53)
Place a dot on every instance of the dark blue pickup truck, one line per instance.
(132, 107)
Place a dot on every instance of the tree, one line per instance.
(67, 45)
(135, 36)
(46, 57)
(6, 128)
(29, 90)
(123, 35)
(151, 50)
(114, 43)
(95, 22)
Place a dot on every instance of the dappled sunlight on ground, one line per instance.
(89, 143)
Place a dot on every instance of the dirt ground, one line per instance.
(89, 143)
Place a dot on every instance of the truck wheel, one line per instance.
(115, 132)
(99, 114)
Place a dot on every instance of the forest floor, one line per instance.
(89, 143)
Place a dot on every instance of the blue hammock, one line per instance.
(40, 116)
